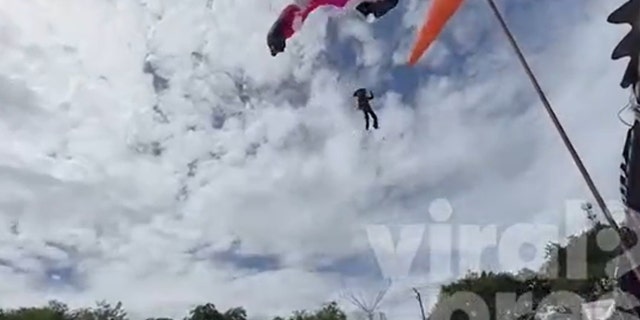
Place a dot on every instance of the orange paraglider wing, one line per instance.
(437, 17)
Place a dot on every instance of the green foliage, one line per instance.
(104, 311)
(329, 311)
(59, 311)
(209, 312)
(535, 286)
(42, 313)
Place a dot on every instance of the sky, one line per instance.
(155, 153)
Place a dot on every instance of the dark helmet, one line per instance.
(360, 93)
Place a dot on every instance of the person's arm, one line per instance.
(370, 95)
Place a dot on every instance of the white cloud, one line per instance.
(282, 164)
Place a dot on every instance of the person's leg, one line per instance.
(374, 117)
(366, 119)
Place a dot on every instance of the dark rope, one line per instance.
(554, 118)
(567, 142)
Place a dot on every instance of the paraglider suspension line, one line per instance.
(554, 118)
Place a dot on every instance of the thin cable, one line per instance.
(567, 142)
(554, 118)
(626, 106)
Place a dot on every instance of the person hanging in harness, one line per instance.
(362, 103)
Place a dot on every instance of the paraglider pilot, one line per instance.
(363, 104)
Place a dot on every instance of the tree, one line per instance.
(102, 311)
(208, 311)
(537, 285)
(32, 313)
(329, 311)
(369, 308)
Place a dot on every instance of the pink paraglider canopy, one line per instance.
(298, 13)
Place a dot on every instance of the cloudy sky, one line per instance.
(153, 151)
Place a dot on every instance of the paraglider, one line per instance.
(291, 20)
(376, 7)
(362, 103)
(437, 16)
(282, 29)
